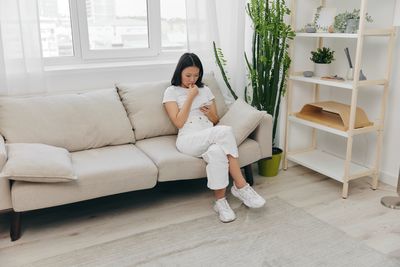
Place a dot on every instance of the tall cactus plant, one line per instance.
(270, 61)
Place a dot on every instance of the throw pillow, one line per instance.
(38, 163)
(243, 119)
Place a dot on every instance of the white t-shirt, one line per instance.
(179, 95)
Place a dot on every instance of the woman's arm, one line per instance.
(211, 112)
(179, 117)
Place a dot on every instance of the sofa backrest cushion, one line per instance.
(210, 81)
(143, 103)
(72, 121)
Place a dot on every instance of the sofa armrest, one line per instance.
(263, 135)
(3, 152)
(5, 192)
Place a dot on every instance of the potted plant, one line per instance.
(310, 28)
(313, 26)
(268, 68)
(322, 59)
(348, 22)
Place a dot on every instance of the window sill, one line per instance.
(109, 65)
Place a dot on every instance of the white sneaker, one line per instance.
(226, 214)
(249, 197)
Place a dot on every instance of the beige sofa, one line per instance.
(119, 140)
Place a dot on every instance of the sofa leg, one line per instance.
(15, 225)
(248, 172)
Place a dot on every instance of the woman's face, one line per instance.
(189, 76)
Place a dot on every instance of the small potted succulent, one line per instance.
(310, 28)
(322, 59)
(313, 26)
(347, 22)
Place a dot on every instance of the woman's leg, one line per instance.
(234, 170)
(218, 179)
(241, 189)
(217, 170)
(224, 145)
(219, 193)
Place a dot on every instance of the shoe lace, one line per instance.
(249, 193)
(224, 206)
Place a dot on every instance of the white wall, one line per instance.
(106, 77)
(2, 65)
(373, 64)
(391, 144)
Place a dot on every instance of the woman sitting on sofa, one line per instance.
(191, 107)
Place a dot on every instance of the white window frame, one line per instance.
(76, 58)
(154, 34)
(81, 46)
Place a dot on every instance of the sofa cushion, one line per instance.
(143, 103)
(101, 172)
(38, 163)
(209, 80)
(243, 119)
(173, 165)
(3, 152)
(146, 112)
(72, 121)
(5, 194)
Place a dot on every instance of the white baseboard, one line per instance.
(388, 179)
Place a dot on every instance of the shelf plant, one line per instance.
(348, 21)
(268, 63)
(313, 26)
(322, 57)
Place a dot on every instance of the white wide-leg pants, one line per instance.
(213, 144)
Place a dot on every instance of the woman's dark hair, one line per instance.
(187, 60)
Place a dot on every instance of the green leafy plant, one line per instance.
(269, 60)
(323, 55)
(317, 15)
(341, 19)
(221, 62)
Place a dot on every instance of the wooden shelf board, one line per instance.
(331, 130)
(346, 84)
(318, 126)
(318, 80)
(378, 32)
(326, 164)
(367, 32)
(372, 82)
(327, 35)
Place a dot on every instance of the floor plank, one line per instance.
(58, 230)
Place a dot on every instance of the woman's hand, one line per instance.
(206, 110)
(193, 91)
(211, 112)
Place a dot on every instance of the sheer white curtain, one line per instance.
(21, 65)
(222, 21)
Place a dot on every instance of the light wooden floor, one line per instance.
(57, 230)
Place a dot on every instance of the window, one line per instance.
(55, 28)
(118, 24)
(85, 30)
(173, 24)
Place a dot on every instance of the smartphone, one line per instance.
(205, 104)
